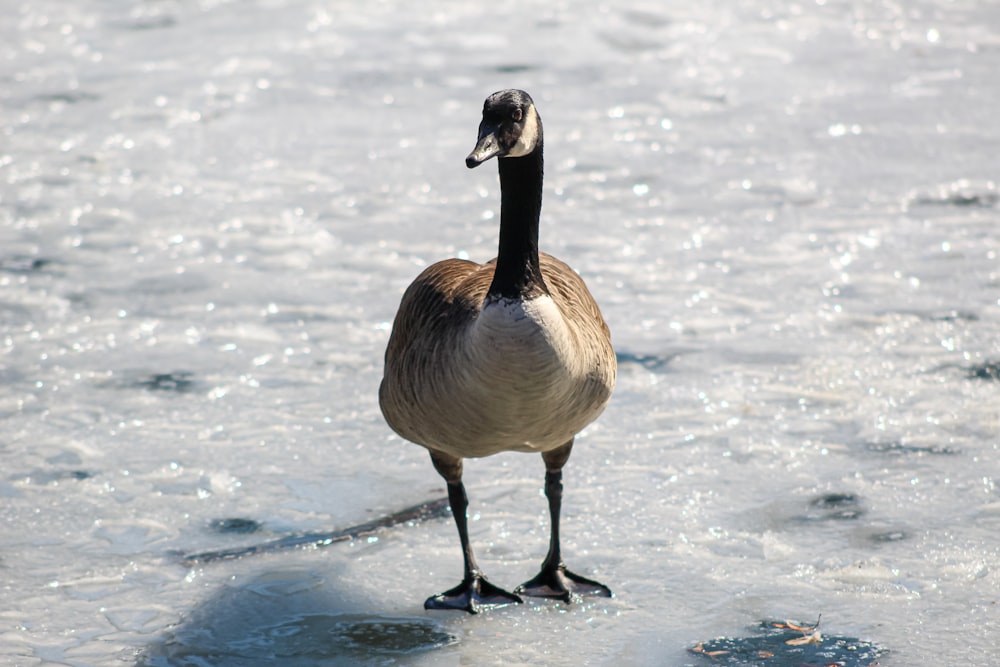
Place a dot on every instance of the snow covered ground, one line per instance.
(209, 210)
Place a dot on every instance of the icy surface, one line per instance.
(209, 211)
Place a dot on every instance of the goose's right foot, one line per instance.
(473, 595)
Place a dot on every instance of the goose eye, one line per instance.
(517, 115)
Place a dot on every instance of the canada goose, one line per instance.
(511, 355)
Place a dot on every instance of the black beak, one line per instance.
(486, 147)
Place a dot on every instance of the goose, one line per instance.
(511, 355)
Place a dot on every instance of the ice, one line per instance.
(209, 211)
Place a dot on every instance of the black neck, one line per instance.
(517, 273)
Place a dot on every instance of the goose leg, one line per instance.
(475, 592)
(554, 580)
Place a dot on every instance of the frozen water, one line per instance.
(208, 213)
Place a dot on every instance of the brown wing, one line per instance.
(571, 293)
(446, 291)
(436, 307)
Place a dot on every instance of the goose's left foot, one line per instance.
(555, 581)
(473, 595)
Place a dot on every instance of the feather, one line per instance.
(525, 379)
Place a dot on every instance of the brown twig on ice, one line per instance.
(795, 625)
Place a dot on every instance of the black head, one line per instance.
(510, 128)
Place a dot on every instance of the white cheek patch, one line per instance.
(529, 136)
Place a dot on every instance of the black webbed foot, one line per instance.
(558, 583)
(473, 595)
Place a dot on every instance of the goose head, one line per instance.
(510, 128)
